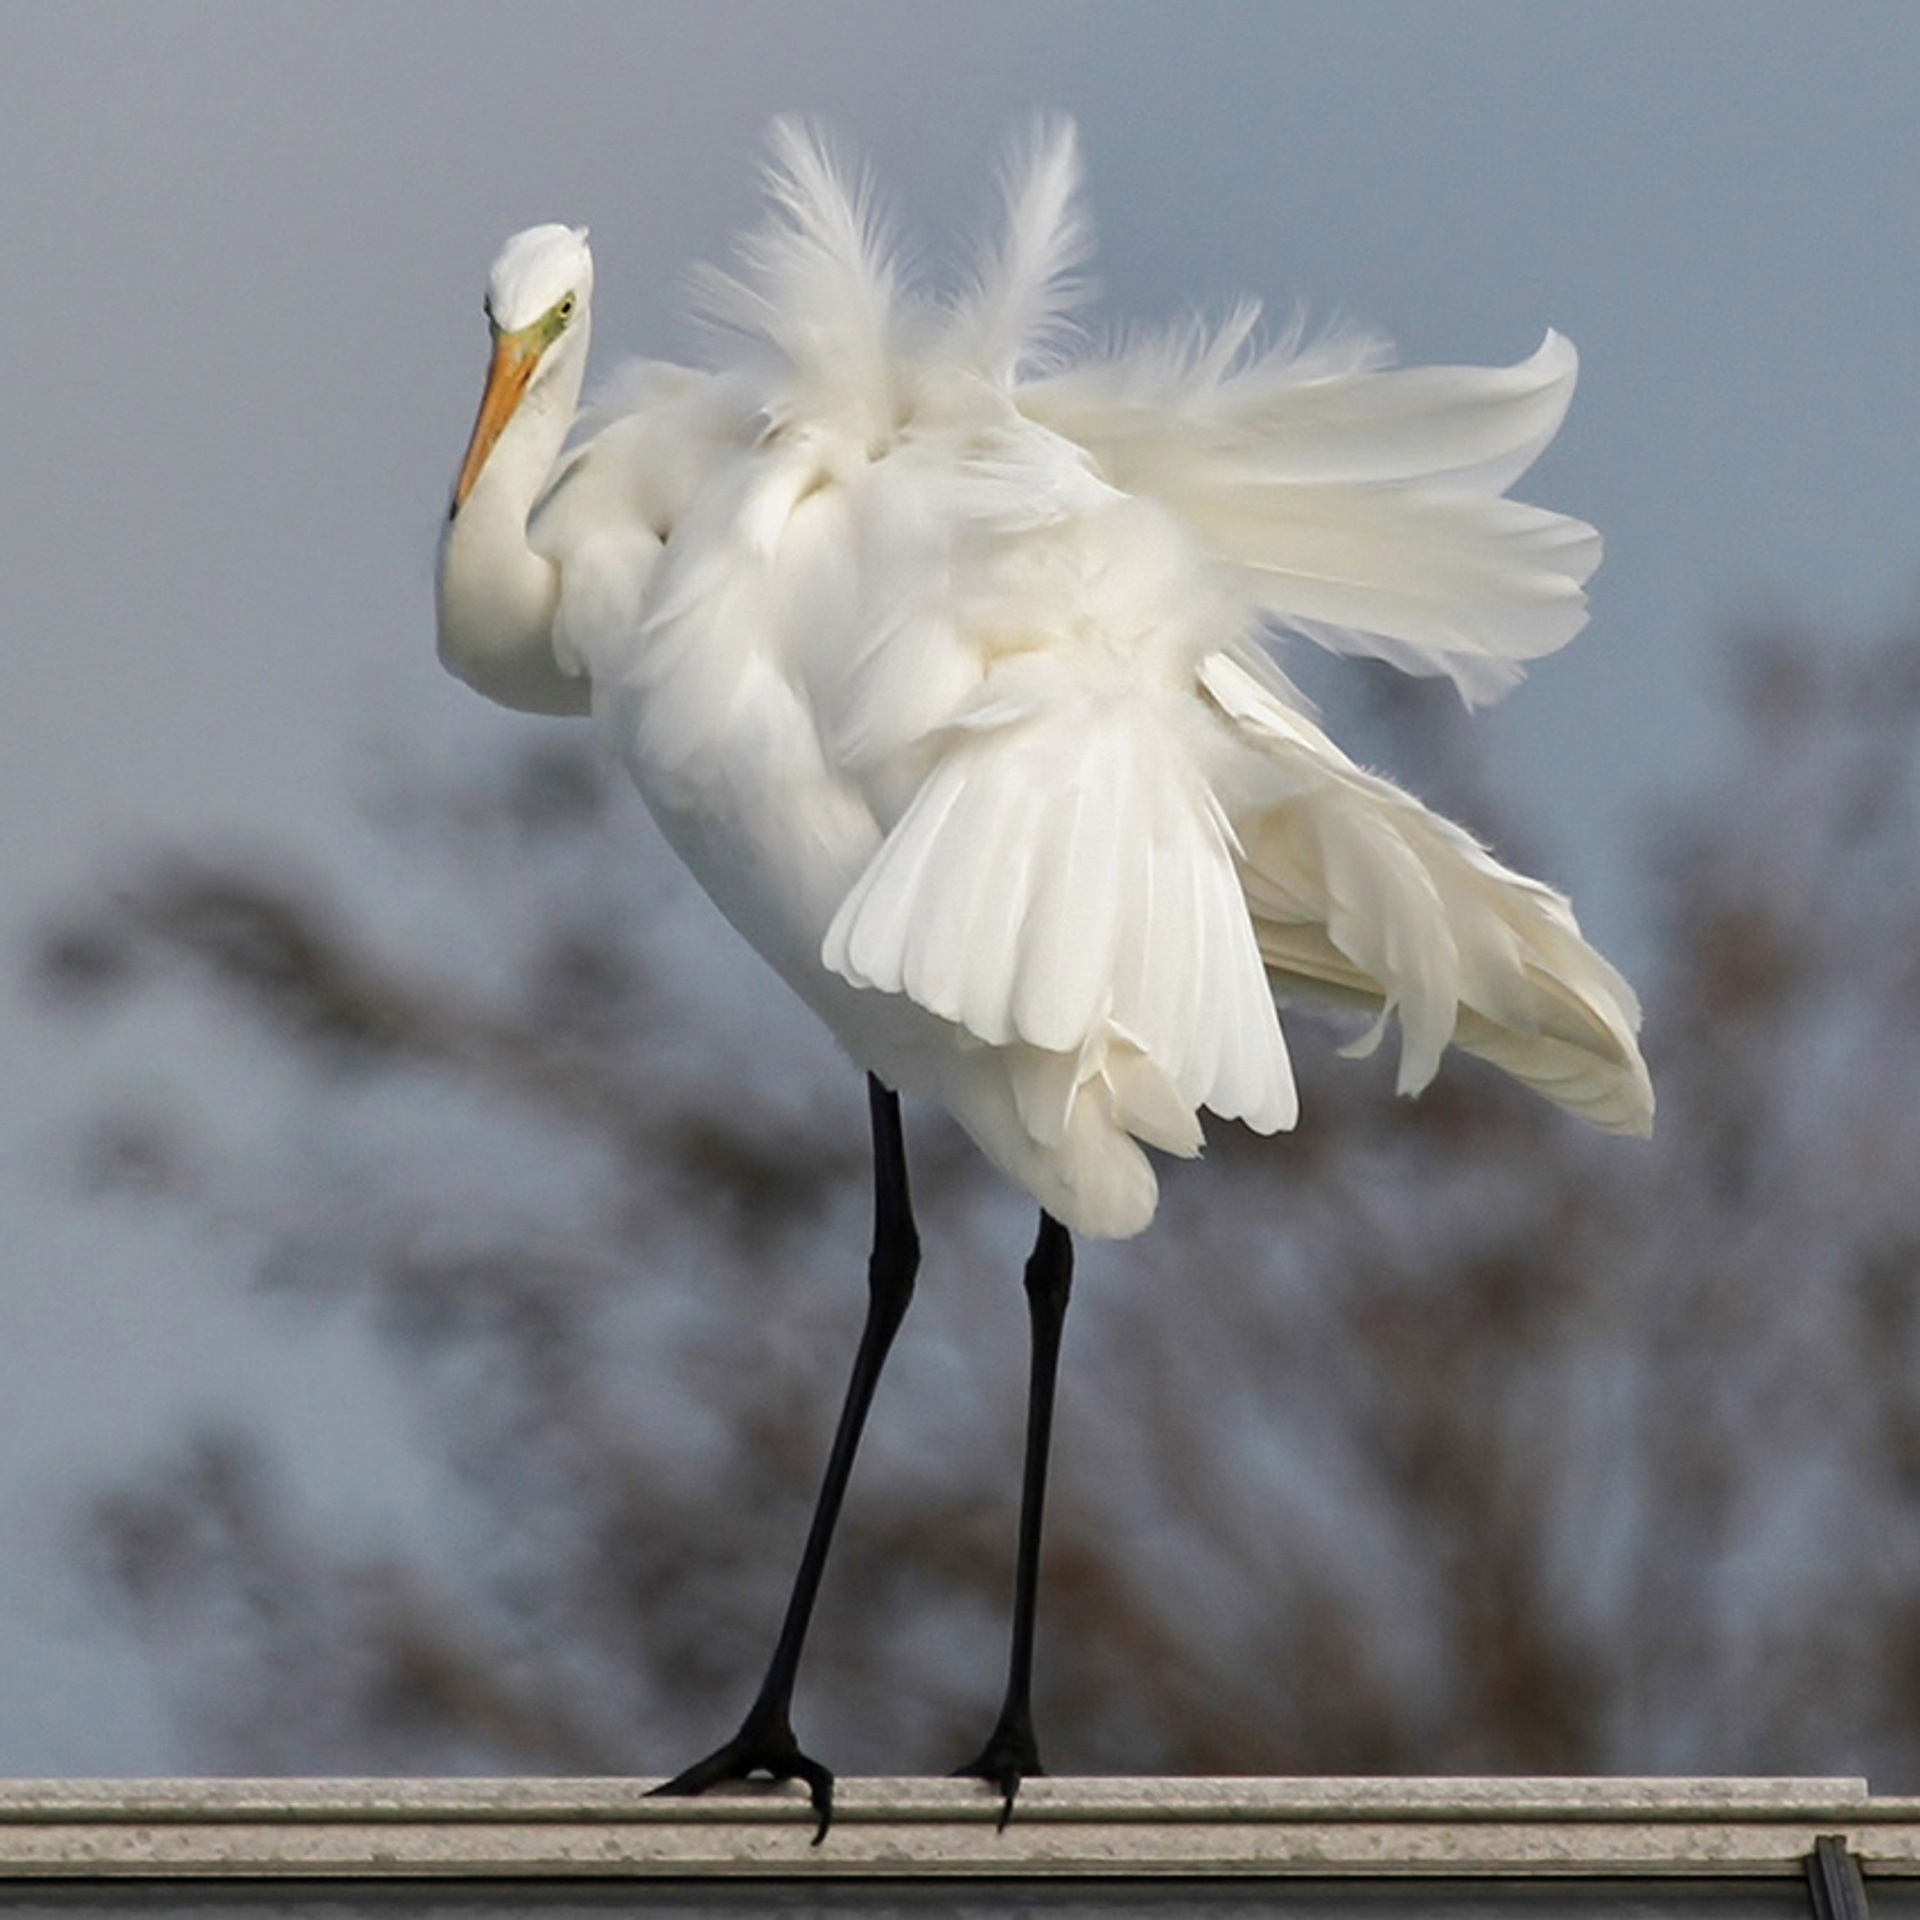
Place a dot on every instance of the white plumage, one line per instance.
(934, 638)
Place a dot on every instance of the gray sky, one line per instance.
(245, 253)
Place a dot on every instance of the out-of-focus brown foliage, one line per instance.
(1437, 1437)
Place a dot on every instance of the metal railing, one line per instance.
(1825, 1847)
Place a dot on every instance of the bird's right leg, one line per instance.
(1011, 1754)
(765, 1742)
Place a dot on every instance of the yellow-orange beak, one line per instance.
(515, 356)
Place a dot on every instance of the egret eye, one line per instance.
(564, 311)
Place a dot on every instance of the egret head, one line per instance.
(537, 296)
(533, 275)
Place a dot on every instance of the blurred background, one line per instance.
(433, 1245)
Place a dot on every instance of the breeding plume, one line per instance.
(939, 642)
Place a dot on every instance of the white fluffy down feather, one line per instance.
(935, 638)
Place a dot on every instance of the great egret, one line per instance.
(934, 639)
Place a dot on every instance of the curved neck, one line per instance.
(494, 596)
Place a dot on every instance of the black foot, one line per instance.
(770, 1751)
(1010, 1756)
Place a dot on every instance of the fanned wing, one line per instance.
(1362, 505)
(1359, 893)
(1063, 885)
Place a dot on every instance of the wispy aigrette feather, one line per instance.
(820, 283)
(1015, 315)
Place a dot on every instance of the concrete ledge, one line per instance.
(586, 1829)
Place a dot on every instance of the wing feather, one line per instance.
(1061, 882)
(1180, 409)
(1362, 505)
(1361, 894)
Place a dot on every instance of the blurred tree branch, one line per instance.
(1436, 1437)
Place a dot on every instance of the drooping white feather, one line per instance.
(1359, 892)
(1062, 878)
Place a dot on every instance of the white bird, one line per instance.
(937, 641)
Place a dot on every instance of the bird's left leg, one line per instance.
(1011, 1753)
(765, 1743)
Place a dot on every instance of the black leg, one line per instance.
(765, 1742)
(1011, 1753)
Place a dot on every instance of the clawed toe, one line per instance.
(770, 1753)
(1010, 1756)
